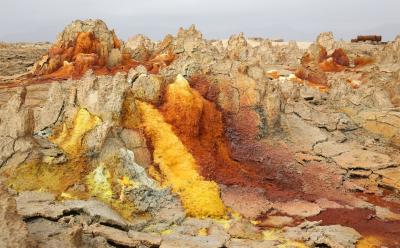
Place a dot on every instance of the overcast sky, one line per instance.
(41, 20)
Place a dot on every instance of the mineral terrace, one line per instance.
(189, 142)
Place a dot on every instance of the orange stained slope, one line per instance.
(179, 170)
(336, 62)
(315, 78)
(313, 67)
(199, 125)
(362, 61)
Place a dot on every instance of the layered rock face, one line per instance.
(189, 142)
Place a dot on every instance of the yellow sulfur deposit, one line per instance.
(102, 184)
(200, 198)
(37, 175)
(70, 139)
(42, 175)
(98, 182)
(202, 232)
(276, 234)
(369, 242)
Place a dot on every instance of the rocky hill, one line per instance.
(189, 142)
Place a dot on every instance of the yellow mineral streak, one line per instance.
(369, 242)
(57, 179)
(154, 173)
(276, 234)
(126, 182)
(70, 139)
(43, 175)
(99, 183)
(99, 180)
(104, 185)
(225, 223)
(167, 232)
(67, 196)
(200, 198)
(202, 232)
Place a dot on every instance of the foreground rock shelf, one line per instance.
(188, 142)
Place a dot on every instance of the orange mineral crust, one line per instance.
(72, 58)
(314, 77)
(336, 62)
(315, 65)
(86, 51)
(362, 61)
(200, 127)
(340, 57)
(178, 168)
(330, 65)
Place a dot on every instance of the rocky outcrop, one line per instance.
(140, 47)
(80, 46)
